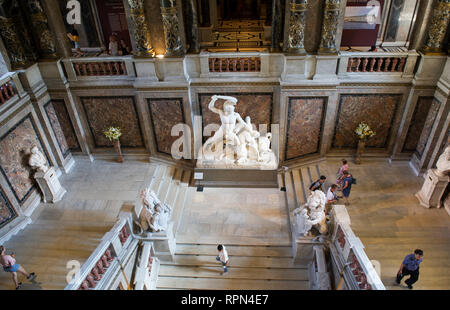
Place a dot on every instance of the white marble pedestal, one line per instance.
(432, 189)
(50, 186)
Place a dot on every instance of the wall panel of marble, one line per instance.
(63, 117)
(256, 105)
(417, 123)
(428, 126)
(15, 146)
(377, 110)
(304, 126)
(7, 213)
(164, 114)
(57, 129)
(103, 112)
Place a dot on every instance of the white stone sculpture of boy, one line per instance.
(37, 160)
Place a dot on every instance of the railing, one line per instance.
(349, 261)
(100, 68)
(376, 64)
(7, 88)
(105, 259)
(92, 67)
(234, 64)
(402, 63)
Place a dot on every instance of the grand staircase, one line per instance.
(251, 267)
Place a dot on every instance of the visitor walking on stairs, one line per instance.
(223, 257)
(9, 265)
(410, 266)
(318, 184)
(340, 175)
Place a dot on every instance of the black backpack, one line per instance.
(353, 180)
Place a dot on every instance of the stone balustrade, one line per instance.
(105, 261)
(235, 64)
(376, 64)
(349, 259)
(100, 68)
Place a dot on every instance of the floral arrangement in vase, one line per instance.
(364, 131)
(113, 133)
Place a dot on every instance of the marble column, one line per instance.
(438, 28)
(174, 44)
(138, 27)
(56, 24)
(15, 35)
(277, 20)
(296, 30)
(45, 41)
(190, 9)
(330, 25)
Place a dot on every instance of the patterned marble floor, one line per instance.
(239, 35)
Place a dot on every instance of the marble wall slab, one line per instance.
(15, 148)
(103, 112)
(304, 126)
(423, 106)
(377, 110)
(428, 126)
(57, 129)
(256, 105)
(7, 213)
(164, 114)
(66, 124)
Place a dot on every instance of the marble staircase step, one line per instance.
(300, 192)
(237, 261)
(306, 180)
(224, 283)
(211, 249)
(178, 174)
(186, 179)
(233, 273)
(290, 192)
(178, 206)
(233, 240)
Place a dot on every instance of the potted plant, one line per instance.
(364, 132)
(113, 134)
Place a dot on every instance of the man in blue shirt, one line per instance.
(410, 266)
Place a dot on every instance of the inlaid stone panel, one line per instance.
(417, 123)
(57, 129)
(66, 124)
(377, 110)
(103, 112)
(428, 126)
(7, 213)
(15, 148)
(256, 105)
(304, 127)
(164, 114)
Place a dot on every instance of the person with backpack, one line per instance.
(347, 187)
(318, 184)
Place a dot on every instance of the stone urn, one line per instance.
(359, 151)
(119, 151)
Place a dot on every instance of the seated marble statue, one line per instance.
(37, 160)
(443, 163)
(160, 219)
(312, 213)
